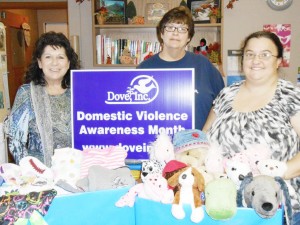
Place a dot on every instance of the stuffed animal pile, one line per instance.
(183, 170)
(197, 174)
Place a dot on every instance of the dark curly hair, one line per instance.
(35, 74)
(180, 15)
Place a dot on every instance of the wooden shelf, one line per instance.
(107, 66)
(129, 26)
(210, 31)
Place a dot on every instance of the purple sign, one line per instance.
(129, 107)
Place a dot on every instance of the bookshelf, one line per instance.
(212, 32)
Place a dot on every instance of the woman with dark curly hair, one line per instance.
(40, 120)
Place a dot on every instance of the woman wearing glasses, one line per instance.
(175, 31)
(263, 109)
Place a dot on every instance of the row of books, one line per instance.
(109, 50)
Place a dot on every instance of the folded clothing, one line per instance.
(18, 206)
(111, 158)
(66, 163)
(101, 178)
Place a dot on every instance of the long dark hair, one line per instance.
(35, 74)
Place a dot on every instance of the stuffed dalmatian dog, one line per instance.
(150, 167)
(161, 152)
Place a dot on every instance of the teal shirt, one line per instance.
(208, 81)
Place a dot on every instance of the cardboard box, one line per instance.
(90, 208)
(98, 208)
(149, 213)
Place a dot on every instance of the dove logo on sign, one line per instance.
(143, 89)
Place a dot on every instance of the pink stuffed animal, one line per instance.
(256, 153)
(240, 157)
(154, 188)
(162, 149)
(214, 161)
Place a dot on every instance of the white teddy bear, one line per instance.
(275, 168)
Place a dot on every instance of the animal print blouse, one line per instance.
(270, 125)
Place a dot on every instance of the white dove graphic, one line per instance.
(142, 88)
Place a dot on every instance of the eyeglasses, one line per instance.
(179, 29)
(261, 55)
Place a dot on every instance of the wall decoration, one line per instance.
(283, 31)
(234, 66)
(2, 40)
(230, 4)
(155, 11)
(130, 10)
(201, 9)
(115, 10)
(79, 1)
(26, 32)
(279, 4)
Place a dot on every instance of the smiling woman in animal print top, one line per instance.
(263, 109)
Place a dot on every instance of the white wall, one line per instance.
(51, 17)
(246, 17)
(80, 23)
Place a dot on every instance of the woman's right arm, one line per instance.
(293, 165)
(18, 125)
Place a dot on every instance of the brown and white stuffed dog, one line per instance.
(191, 187)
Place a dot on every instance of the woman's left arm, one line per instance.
(293, 164)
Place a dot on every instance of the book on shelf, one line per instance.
(98, 49)
(106, 47)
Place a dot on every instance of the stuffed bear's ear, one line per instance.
(247, 180)
(287, 198)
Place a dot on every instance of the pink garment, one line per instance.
(111, 158)
(129, 198)
(155, 187)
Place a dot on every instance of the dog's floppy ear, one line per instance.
(199, 179)
(173, 180)
(247, 180)
(287, 198)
